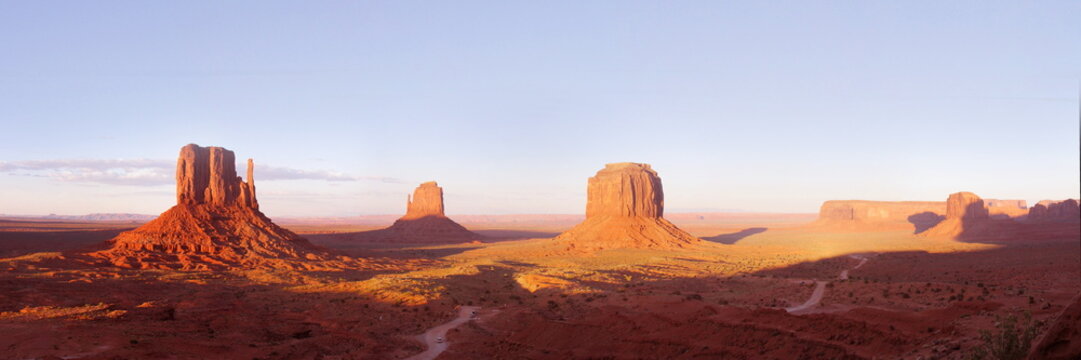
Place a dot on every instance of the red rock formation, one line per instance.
(427, 200)
(1061, 341)
(424, 221)
(965, 214)
(216, 223)
(624, 209)
(862, 215)
(1066, 211)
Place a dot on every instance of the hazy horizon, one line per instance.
(758, 107)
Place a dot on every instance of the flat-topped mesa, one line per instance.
(207, 175)
(624, 209)
(427, 200)
(859, 215)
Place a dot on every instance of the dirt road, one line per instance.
(431, 336)
(820, 289)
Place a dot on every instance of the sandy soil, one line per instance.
(917, 296)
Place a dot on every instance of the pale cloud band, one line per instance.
(149, 172)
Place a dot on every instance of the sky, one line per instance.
(511, 105)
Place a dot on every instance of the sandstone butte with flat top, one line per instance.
(216, 223)
(625, 209)
(966, 214)
(425, 221)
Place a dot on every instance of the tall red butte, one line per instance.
(424, 221)
(625, 209)
(216, 223)
(966, 214)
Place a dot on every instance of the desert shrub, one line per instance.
(1010, 339)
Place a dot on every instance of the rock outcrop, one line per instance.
(424, 221)
(1065, 211)
(862, 215)
(1062, 340)
(624, 209)
(965, 214)
(215, 224)
(1006, 209)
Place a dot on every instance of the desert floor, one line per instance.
(912, 297)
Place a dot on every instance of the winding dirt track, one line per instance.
(820, 290)
(434, 347)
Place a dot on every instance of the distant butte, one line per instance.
(1065, 211)
(216, 223)
(424, 221)
(966, 214)
(625, 209)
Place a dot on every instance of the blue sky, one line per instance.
(511, 106)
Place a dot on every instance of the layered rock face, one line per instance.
(216, 223)
(424, 221)
(880, 215)
(624, 209)
(966, 206)
(427, 200)
(965, 214)
(1066, 211)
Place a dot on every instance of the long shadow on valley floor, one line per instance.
(732, 238)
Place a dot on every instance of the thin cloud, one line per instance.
(152, 172)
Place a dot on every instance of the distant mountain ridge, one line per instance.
(118, 217)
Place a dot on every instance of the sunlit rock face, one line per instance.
(425, 221)
(624, 209)
(216, 223)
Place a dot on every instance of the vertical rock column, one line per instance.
(427, 200)
(208, 176)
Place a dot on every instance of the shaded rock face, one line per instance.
(215, 224)
(1066, 211)
(624, 209)
(966, 206)
(427, 200)
(424, 221)
(880, 215)
(966, 216)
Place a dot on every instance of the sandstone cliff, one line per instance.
(862, 215)
(624, 209)
(1065, 211)
(966, 214)
(215, 224)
